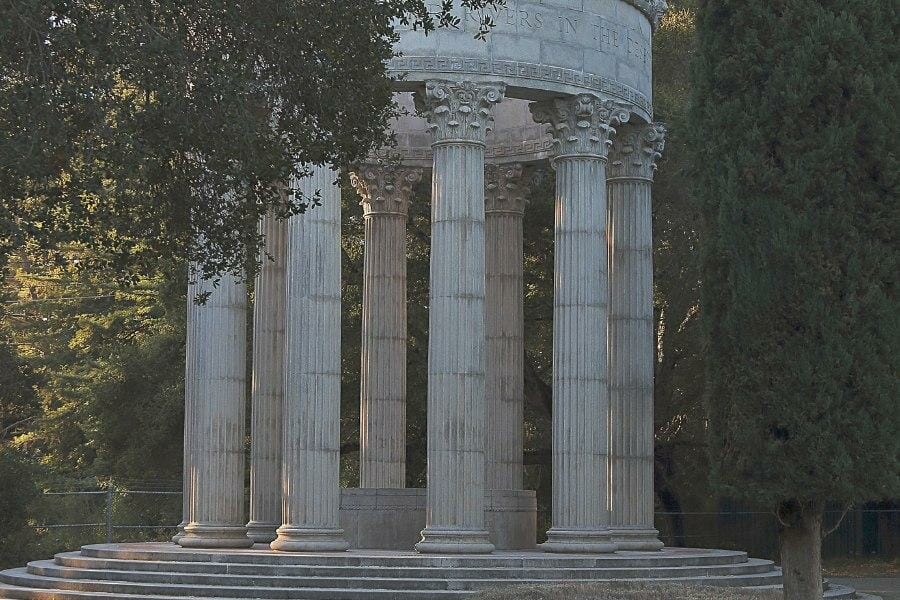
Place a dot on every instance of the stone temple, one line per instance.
(561, 84)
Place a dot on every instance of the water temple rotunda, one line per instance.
(561, 84)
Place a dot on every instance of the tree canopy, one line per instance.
(147, 130)
(794, 145)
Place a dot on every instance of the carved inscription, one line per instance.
(581, 28)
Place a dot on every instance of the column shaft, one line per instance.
(631, 338)
(312, 377)
(504, 374)
(267, 386)
(582, 130)
(580, 392)
(385, 196)
(458, 113)
(190, 386)
(218, 346)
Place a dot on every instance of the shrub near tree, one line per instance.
(795, 148)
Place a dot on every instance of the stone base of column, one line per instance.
(636, 539)
(436, 540)
(200, 535)
(579, 541)
(262, 533)
(180, 533)
(301, 539)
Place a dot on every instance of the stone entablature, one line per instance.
(535, 47)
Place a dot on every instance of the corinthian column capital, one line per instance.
(385, 189)
(459, 111)
(581, 125)
(635, 152)
(502, 189)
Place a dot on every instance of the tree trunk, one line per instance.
(800, 538)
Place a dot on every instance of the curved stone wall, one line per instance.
(539, 48)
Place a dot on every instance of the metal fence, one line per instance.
(141, 515)
(109, 507)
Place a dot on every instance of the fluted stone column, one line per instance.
(632, 162)
(582, 127)
(266, 394)
(459, 114)
(217, 358)
(312, 374)
(385, 193)
(504, 210)
(190, 385)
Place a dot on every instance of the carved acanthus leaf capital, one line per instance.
(581, 125)
(503, 189)
(459, 111)
(636, 150)
(385, 189)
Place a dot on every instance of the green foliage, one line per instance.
(16, 496)
(794, 133)
(109, 364)
(156, 130)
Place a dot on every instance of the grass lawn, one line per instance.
(863, 567)
(606, 591)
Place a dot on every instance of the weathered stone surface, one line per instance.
(164, 570)
(504, 197)
(582, 128)
(267, 387)
(555, 46)
(385, 192)
(217, 366)
(458, 113)
(631, 340)
(312, 374)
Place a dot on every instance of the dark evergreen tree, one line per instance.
(795, 129)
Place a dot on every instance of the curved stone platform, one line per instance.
(162, 570)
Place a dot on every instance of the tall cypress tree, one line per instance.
(795, 133)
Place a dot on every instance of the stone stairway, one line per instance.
(155, 571)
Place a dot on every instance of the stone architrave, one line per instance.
(217, 374)
(459, 114)
(582, 127)
(312, 374)
(266, 395)
(504, 210)
(632, 163)
(385, 192)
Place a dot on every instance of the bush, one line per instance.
(604, 591)
(17, 492)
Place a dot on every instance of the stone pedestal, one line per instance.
(312, 377)
(632, 162)
(392, 518)
(267, 386)
(504, 375)
(216, 368)
(458, 114)
(582, 129)
(385, 193)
